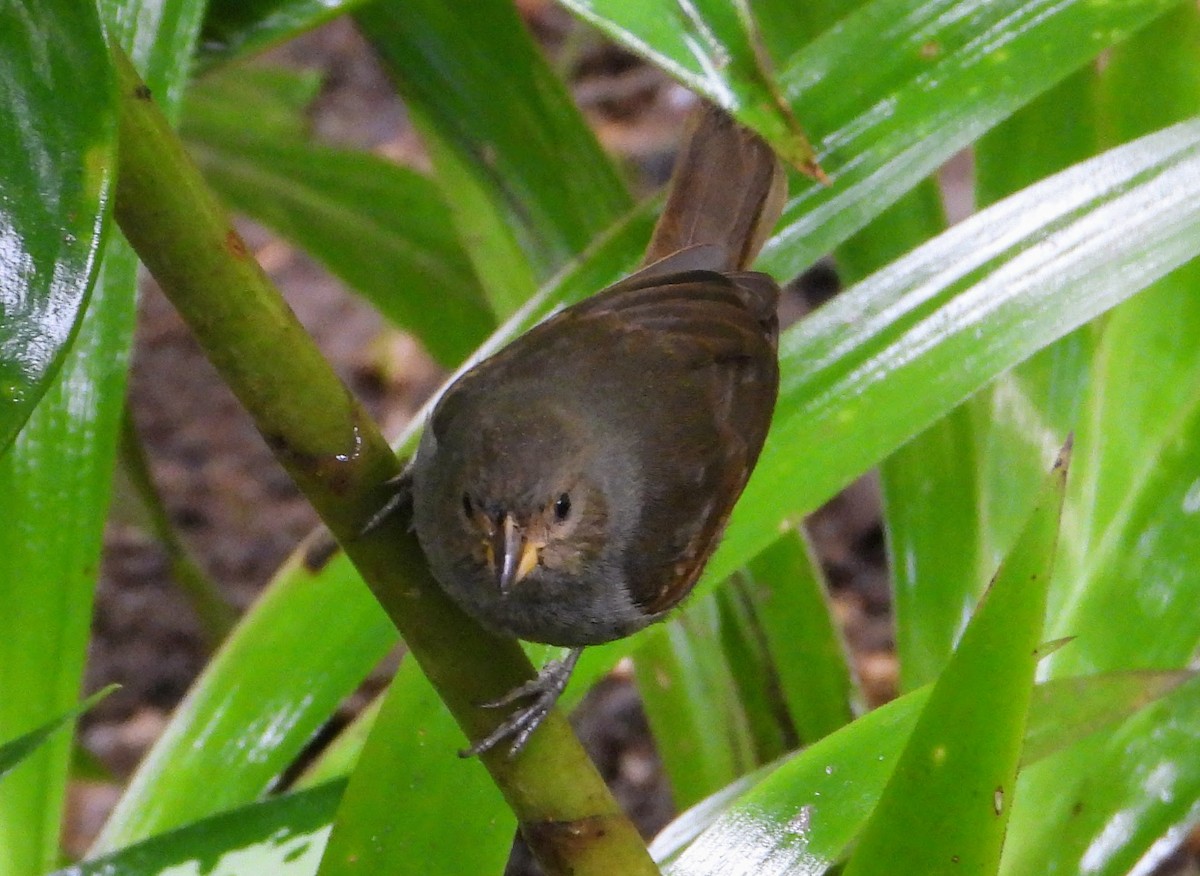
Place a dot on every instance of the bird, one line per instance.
(570, 488)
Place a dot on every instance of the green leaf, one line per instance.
(946, 805)
(382, 228)
(443, 798)
(957, 494)
(12, 753)
(1136, 544)
(798, 818)
(882, 361)
(274, 102)
(55, 478)
(792, 606)
(1123, 591)
(1063, 819)
(692, 704)
(940, 75)
(755, 681)
(716, 49)
(1092, 702)
(801, 815)
(57, 147)
(274, 681)
(526, 180)
(233, 28)
(1129, 822)
(338, 759)
(932, 517)
(917, 217)
(282, 836)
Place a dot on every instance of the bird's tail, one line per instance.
(727, 191)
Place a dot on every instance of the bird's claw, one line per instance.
(518, 727)
(545, 690)
(399, 501)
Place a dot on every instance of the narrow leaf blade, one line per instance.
(946, 806)
(444, 798)
(282, 836)
(15, 751)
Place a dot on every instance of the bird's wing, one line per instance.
(699, 315)
(716, 334)
(720, 315)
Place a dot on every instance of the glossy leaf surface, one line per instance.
(716, 49)
(1092, 381)
(55, 479)
(57, 148)
(282, 836)
(275, 680)
(946, 805)
(1130, 564)
(958, 492)
(941, 74)
(906, 345)
(801, 816)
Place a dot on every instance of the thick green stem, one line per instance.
(339, 459)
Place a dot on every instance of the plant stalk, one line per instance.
(342, 463)
(216, 616)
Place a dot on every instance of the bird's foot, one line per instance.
(400, 501)
(544, 690)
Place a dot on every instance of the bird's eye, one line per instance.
(562, 507)
(468, 508)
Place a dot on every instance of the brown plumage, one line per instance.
(570, 488)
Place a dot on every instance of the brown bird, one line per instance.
(570, 488)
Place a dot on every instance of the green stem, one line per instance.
(339, 459)
(215, 614)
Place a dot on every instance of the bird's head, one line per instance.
(527, 500)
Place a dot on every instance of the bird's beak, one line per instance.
(516, 555)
